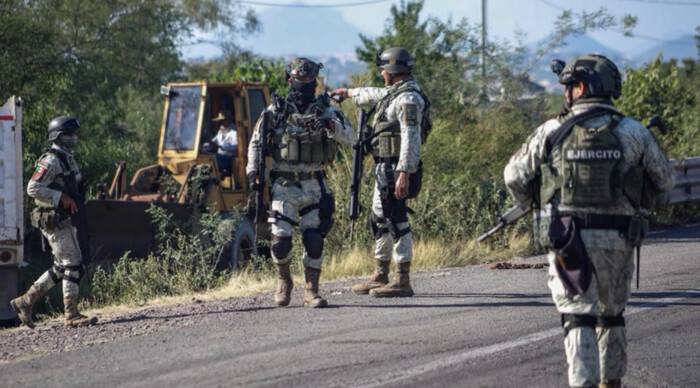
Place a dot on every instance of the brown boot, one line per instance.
(400, 288)
(311, 297)
(23, 305)
(72, 318)
(617, 383)
(379, 279)
(284, 284)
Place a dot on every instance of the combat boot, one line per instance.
(379, 279)
(284, 284)
(23, 305)
(616, 383)
(72, 318)
(401, 286)
(311, 297)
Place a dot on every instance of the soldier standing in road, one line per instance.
(55, 186)
(402, 115)
(306, 131)
(588, 173)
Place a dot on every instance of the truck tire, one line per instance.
(242, 248)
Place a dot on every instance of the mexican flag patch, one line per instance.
(38, 172)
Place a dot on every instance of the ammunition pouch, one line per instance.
(415, 181)
(47, 218)
(293, 144)
(388, 143)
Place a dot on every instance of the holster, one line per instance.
(325, 213)
(637, 229)
(572, 262)
(415, 181)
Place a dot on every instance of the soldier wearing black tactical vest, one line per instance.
(303, 141)
(403, 119)
(56, 185)
(589, 175)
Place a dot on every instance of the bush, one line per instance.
(185, 261)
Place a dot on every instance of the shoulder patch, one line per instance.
(38, 172)
(410, 114)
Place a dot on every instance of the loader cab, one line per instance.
(188, 129)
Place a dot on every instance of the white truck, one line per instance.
(11, 204)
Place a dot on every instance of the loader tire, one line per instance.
(243, 246)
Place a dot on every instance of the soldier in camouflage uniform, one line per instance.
(56, 176)
(306, 131)
(402, 110)
(588, 185)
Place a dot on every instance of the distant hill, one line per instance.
(679, 48)
(297, 31)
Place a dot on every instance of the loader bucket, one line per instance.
(120, 226)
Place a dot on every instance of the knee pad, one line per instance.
(58, 273)
(571, 321)
(376, 229)
(281, 246)
(313, 243)
(607, 321)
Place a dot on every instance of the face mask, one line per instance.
(308, 88)
(68, 141)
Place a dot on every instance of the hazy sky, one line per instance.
(658, 20)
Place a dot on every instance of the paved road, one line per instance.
(469, 327)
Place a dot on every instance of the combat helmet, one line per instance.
(62, 124)
(302, 67)
(395, 60)
(601, 76)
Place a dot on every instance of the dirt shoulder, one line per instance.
(52, 337)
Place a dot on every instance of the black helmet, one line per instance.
(395, 60)
(601, 76)
(62, 124)
(302, 67)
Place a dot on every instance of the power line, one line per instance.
(551, 5)
(355, 4)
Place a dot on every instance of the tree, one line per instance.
(102, 61)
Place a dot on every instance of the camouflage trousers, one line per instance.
(66, 253)
(386, 247)
(597, 354)
(288, 198)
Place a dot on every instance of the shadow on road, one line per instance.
(658, 296)
(481, 295)
(687, 234)
(143, 317)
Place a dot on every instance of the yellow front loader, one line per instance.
(118, 221)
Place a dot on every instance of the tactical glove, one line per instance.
(321, 123)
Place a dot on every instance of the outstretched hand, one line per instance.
(340, 94)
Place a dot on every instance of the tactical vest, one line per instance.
(590, 172)
(388, 142)
(45, 215)
(294, 141)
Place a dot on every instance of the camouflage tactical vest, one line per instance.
(294, 141)
(388, 143)
(589, 173)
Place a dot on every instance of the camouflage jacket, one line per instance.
(343, 134)
(407, 108)
(47, 171)
(639, 148)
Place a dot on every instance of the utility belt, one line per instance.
(48, 218)
(326, 205)
(298, 175)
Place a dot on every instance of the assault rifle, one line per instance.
(358, 157)
(509, 217)
(260, 205)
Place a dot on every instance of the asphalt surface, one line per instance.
(468, 327)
